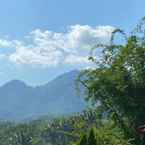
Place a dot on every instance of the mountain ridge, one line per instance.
(21, 101)
(75, 71)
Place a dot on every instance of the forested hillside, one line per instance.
(63, 131)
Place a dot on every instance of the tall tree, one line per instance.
(118, 81)
(83, 140)
(91, 138)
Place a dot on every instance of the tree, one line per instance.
(92, 139)
(83, 140)
(118, 81)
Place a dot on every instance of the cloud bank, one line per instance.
(50, 49)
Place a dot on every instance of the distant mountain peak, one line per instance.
(71, 74)
(58, 96)
(15, 83)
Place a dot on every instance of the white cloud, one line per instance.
(50, 48)
(76, 59)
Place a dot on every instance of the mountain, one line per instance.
(19, 101)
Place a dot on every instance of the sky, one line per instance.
(41, 39)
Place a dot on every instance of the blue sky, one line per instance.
(40, 39)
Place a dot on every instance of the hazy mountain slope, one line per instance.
(19, 101)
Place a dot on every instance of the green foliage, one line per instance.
(88, 125)
(111, 135)
(118, 81)
(83, 140)
(91, 138)
(59, 131)
(81, 129)
(107, 134)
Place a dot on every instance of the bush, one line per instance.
(105, 135)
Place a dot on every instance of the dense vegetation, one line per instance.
(88, 127)
(59, 131)
(116, 88)
(118, 81)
